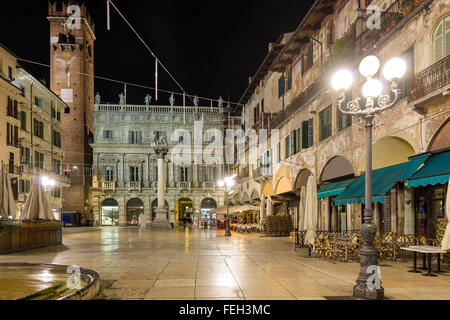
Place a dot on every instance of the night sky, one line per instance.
(211, 47)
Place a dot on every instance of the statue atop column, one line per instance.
(220, 102)
(148, 99)
(172, 100)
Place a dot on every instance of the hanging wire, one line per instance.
(120, 81)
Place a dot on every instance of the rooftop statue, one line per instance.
(148, 99)
(196, 101)
(121, 99)
(97, 98)
(172, 100)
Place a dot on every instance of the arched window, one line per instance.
(441, 40)
(330, 34)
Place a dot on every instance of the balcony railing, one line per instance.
(262, 172)
(399, 10)
(108, 185)
(209, 185)
(184, 186)
(114, 108)
(432, 79)
(135, 185)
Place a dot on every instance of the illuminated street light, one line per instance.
(227, 183)
(375, 105)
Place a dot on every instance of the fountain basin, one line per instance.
(23, 281)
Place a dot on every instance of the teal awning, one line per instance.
(383, 180)
(435, 171)
(413, 165)
(334, 189)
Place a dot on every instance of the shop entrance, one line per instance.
(208, 216)
(430, 207)
(184, 209)
(135, 207)
(110, 213)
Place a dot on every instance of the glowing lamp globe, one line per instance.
(221, 184)
(369, 66)
(342, 80)
(44, 181)
(372, 88)
(394, 69)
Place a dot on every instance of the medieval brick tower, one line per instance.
(71, 77)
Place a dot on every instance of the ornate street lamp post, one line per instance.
(227, 184)
(368, 284)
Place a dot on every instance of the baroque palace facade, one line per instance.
(30, 131)
(291, 92)
(125, 182)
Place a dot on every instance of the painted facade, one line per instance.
(306, 100)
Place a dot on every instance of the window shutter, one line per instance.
(447, 36)
(130, 137)
(139, 137)
(305, 131)
(438, 41)
(311, 133)
(299, 145)
(302, 59)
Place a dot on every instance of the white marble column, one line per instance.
(161, 220)
(161, 182)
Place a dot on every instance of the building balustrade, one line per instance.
(209, 185)
(430, 82)
(262, 172)
(135, 185)
(184, 186)
(109, 185)
(113, 108)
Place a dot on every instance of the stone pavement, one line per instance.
(200, 264)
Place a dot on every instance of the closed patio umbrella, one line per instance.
(311, 211)
(446, 239)
(301, 211)
(269, 207)
(7, 205)
(37, 206)
(262, 211)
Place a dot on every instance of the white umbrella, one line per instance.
(7, 203)
(301, 212)
(311, 211)
(446, 239)
(37, 205)
(262, 210)
(269, 206)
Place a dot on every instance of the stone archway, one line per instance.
(110, 213)
(135, 207)
(337, 168)
(268, 190)
(302, 179)
(245, 198)
(387, 152)
(255, 196)
(185, 209)
(441, 139)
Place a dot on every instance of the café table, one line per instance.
(426, 251)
